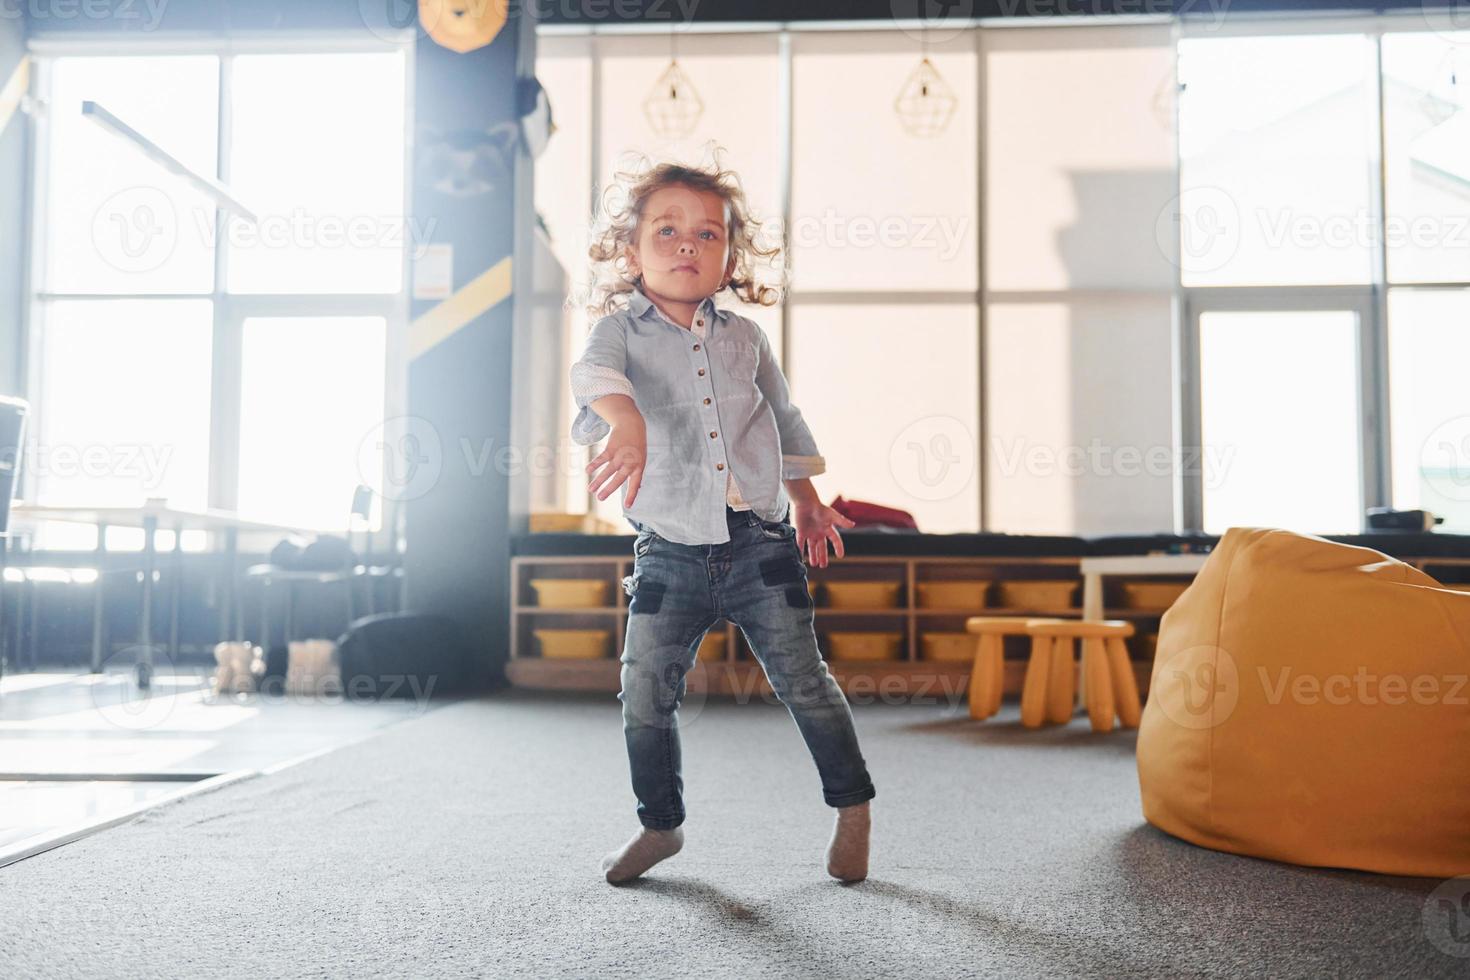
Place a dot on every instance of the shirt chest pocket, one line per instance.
(738, 358)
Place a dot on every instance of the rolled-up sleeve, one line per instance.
(600, 371)
(799, 455)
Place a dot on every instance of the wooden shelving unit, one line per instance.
(739, 672)
(909, 677)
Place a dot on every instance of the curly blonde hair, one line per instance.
(616, 228)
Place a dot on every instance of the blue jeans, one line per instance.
(758, 581)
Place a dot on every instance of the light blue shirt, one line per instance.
(712, 406)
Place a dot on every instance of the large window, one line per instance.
(183, 353)
(114, 223)
(1079, 297)
(874, 206)
(125, 387)
(1326, 294)
(1426, 95)
(884, 347)
(742, 120)
(1174, 274)
(1279, 402)
(864, 211)
(1276, 149)
(1275, 144)
(343, 182)
(880, 331)
(322, 429)
(1429, 333)
(1426, 79)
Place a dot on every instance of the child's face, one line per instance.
(682, 248)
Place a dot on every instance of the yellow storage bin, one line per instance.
(572, 644)
(864, 645)
(713, 647)
(1041, 594)
(862, 595)
(555, 522)
(952, 647)
(956, 594)
(1152, 595)
(571, 593)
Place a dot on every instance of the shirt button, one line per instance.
(700, 322)
(719, 466)
(701, 372)
(711, 435)
(706, 401)
(696, 347)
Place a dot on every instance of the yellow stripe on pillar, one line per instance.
(439, 324)
(15, 89)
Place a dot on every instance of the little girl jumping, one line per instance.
(716, 463)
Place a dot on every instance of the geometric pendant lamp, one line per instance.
(926, 103)
(673, 107)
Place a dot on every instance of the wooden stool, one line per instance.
(987, 677)
(1050, 690)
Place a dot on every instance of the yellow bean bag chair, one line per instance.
(1310, 704)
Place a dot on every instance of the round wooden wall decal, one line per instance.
(462, 25)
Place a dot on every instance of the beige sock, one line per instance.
(646, 848)
(847, 854)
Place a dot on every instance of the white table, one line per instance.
(1094, 570)
(150, 517)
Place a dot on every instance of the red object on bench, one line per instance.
(863, 513)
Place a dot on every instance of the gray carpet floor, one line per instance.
(466, 843)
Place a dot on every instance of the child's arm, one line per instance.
(799, 456)
(600, 371)
(605, 407)
(816, 523)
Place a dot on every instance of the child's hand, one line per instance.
(816, 523)
(625, 454)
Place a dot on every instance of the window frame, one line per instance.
(1358, 300)
(1369, 299)
(792, 297)
(230, 310)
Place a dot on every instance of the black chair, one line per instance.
(375, 574)
(289, 569)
